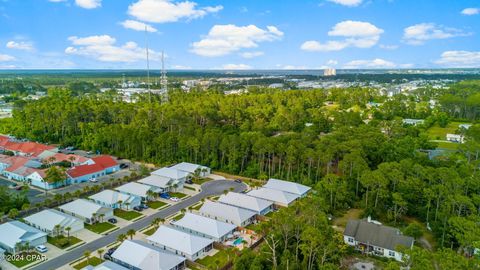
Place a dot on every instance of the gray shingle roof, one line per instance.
(376, 234)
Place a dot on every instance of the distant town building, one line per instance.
(330, 72)
(455, 138)
(413, 122)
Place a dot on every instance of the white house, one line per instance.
(206, 227)
(14, 232)
(374, 238)
(106, 265)
(260, 206)
(455, 138)
(287, 186)
(227, 213)
(159, 183)
(192, 168)
(47, 219)
(136, 189)
(181, 243)
(87, 211)
(413, 122)
(178, 177)
(134, 254)
(115, 199)
(464, 126)
(278, 197)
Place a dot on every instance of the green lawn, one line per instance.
(210, 261)
(156, 204)
(438, 133)
(190, 188)
(100, 227)
(128, 215)
(448, 145)
(93, 261)
(200, 181)
(22, 259)
(197, 207)
(63, 242)
(150, 231)
(177, 194)
(178, 217)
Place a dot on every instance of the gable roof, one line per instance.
(274, 195)
(84, 208)
(377, 235)
(82, 170)
(144, 256)
(106, 265)
(170, 173)
(48, 218)
(227, 212)
(287, 186)
(245, 201)
(187, 167)
(134, 188)
(14, 231)
(204, 225)
(178, 240)
(156, 181)
(30, 148)
(59, 157)
(108, 196)
(105, 161)
(15, 162)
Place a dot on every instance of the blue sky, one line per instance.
(247, 34)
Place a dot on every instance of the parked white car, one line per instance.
(175, 199)
(41, 248)
(93, 180)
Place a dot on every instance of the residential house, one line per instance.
(464, 126)
(87, 211)
(48, 219)
(178, 177)
(14, 232)
(287, 186)
(159, 183)
(106, 265)
(260, 206)
(134, 254)
(202, 226)
(181, 243)
(115, 199)
(136, 189)
(193, 169)
(227, 213)
(374, 238)
(455, 138)
(413, 122)
(93, 168)
(278, 197)
(24, 148)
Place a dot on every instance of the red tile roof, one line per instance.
(59, 157)
(105, 161)
(31, 148)
(82, 170)
(15, 163)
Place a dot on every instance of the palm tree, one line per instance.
(87, 254)
(127, 204)
(156, 222)
(18, 247)
(151, 194)
(100, 252)
(119, 203)
(71, 159)
(131, 233)
(94, 217)
(121, 237)
(68, 229)
(56, 229)
(101, 216)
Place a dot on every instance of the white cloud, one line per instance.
(375, 63)
(471, 11)
(225, 39)
(6, 58)
(163, 11)
(459, 59)
(348, 3)
(355, 33)
(388, 47)
(138, 26)
(418, 34)
(332, 62)
(103, 48)
(181, 67)
(88, 4)
(236, 67)
(293, 67)
(21, 45)
(57, 1)
(251, 54)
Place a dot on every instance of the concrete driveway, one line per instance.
(208, 189)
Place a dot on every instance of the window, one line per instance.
(391, 253)
(350, 240)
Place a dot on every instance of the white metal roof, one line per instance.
(187, 167)
(14, 231)
(48, 218)
(106, 265)
(112, 197)
(273, 195)
(84, 208)
(156, 181)
(287, 186)
(204, 225)
(144, 256)
(170, 173)
(178, 240)
(235, 214)
(134, 188)
(245, 201)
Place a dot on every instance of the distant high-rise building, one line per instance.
(330, 72)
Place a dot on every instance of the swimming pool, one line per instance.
(238, 241)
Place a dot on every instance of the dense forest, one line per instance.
(299, 136)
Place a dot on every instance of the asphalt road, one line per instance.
(208, 189)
